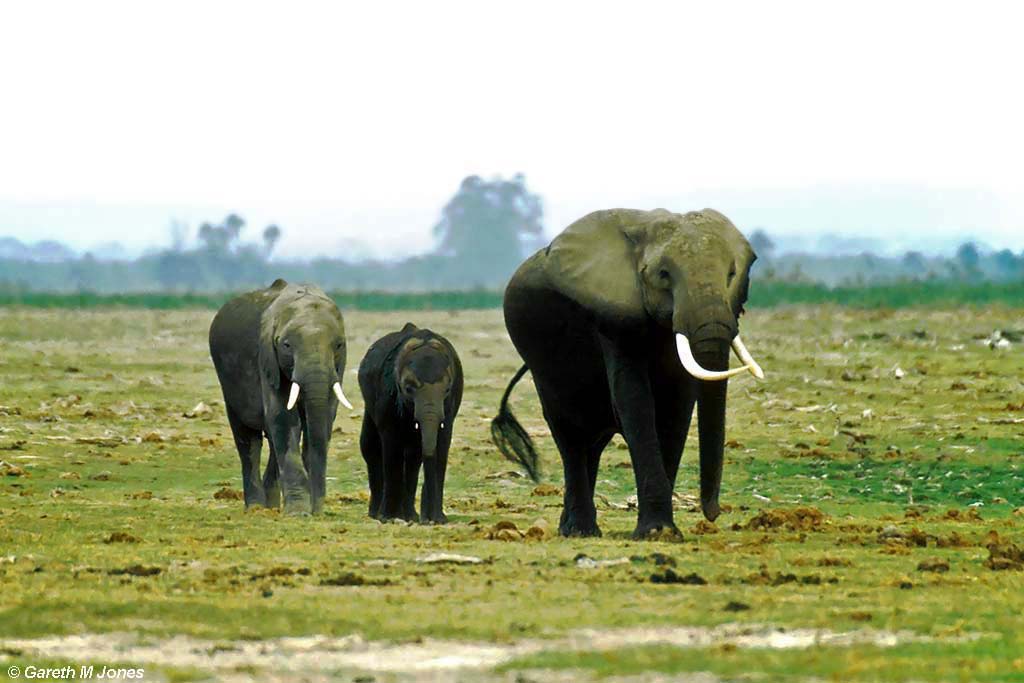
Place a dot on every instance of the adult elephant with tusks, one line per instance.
(280, 358)
(626, 321)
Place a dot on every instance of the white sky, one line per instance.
(357, 120)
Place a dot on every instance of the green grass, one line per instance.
(91, 411)
(987, 660)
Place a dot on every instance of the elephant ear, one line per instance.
(266, 354)
(594, 263)
(742, 253)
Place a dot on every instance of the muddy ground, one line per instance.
(872, 526)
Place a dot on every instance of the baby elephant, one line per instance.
(412, 386)
(280, 359)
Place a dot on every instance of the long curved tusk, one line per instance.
(741, 350)
(341, 395)
(293, 396)
(694, 368)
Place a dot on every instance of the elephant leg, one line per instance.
(432, 496)
(393, 476)
(633, 400)
(369, 444)
(674, 403)
(285, 434)
(411, 473)
(594, 461)
(578, 450)
(249, 443)
(316, 469)
(271, 483)
(580, 440)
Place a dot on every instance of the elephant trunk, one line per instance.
(319, 419)
(429, 417)
(711, 400)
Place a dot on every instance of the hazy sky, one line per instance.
(344, 121)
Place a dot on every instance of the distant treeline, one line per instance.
(763, 295)
(484, 232)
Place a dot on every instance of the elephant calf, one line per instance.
(280, 358)
(412, 386)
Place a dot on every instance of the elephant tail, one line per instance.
(510, 437)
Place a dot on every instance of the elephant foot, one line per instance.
(575, 524)
(657, 530)
(274, 497)
(255, 497)
(435, 518)
(398, 517)
(297, 507)
(394, 520)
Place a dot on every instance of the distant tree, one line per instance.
(1007, 265)
(271, 236)
(914, 263)
(233, 225)
(222, 238)
(968, 259)
(487, 226)
(763, 245)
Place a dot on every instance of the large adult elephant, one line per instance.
(272, 347)
(626, 320)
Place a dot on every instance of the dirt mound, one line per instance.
(1002, 554)
(506, 530)
(669, 575)
(226, 493)
(794, 519)
(767, 578)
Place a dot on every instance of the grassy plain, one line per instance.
(873, 480)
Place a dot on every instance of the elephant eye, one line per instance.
(286, 344)
(732, 274)
(663, 275)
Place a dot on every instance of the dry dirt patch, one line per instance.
(322, 654)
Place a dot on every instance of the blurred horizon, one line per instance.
(886, 221)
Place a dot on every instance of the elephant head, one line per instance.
(302, 349)
(425, 372)
(688, 273)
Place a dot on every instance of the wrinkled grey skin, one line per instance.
(594, 316)
(411, 381)
(260, 343)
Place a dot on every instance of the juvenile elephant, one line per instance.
(412, 387)
(626, 320)
(271, 347)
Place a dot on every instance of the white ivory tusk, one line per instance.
(293, 396)
(341, 395)
(694, 368)
(741, 350)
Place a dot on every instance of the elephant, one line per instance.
(626, 320)
(270, 347)
(411, 381)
